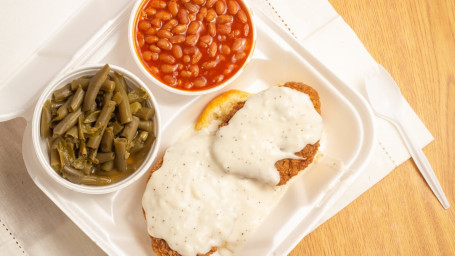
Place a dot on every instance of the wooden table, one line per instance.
(415, 41)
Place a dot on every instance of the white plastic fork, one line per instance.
(387, 102)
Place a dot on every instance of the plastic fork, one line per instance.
(387, 102)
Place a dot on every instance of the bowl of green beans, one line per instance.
(96, 129)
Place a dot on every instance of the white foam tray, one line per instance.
(97, 33)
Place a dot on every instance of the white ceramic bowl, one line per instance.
(40, 144)
(139, 62)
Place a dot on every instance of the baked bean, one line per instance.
(188, 85)
(211, 15)
(163, 15)
(185, 1)
(186, 58)
(220, 7)
(156, 23)
(182, 16)
(194, 69)
(212, 29)
(224, 49)
(202, 13)
(190, 50)
(155, 56)
(212, 49)
(209, 64)
(242, 16)
(164, 34)
(221, 57)
(210, 3)
(151, 39)
(150, 31)
(140, 40)
(179, 29)
(218, 79)
(200, 82)
(167, 58)
(170, 24)
(198, 2)
(246, 30)
(164, 44)
(177, 51)
(173, 8)
(169, 79)
(185, 73)
(238, 56)
(236, 33)
(196, 57)
(192, 17)
(193, 28)
(157, 4)
(150, 11)
(144, 25)
(154, 48)
(192, 39)
(239, 44)
(233, 7)
(222, 38)
(166, 68)
(228, 69)
(192, 8)
(223, 29)
(225, 18)
(205, 41)
(154, 70)
(177, 39)
(147, 55)
(179, 66)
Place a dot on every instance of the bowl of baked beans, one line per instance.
(191, 47)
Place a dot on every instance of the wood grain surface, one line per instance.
(415, 41)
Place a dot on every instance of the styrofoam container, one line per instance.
(41, 145)
(131, 41)
(115, 221)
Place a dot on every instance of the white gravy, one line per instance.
(194, 203)
(272, 125)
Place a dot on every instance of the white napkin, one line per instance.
(314, 23)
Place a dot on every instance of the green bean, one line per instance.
(105, 157)
(79, 128)
(72, 174)
(92, 156)
(72, 132)
(124, 106)
(62, 93)
(92, 117)
(120, 153)
(106, 141)
(135, 107)
(77, 100)
(95, 140)
(138, 142)
(69, 121)
(117, 128)
(117, 97)
(79, 163)
(65, 152)
(82, 149)
(82, 82)
(107, 166)
(145, 113)
(138, 95)
(95, 180)
(108, 85)
(94, 86)
(63, 110)
(108, 97)
(46, 119)
(130, 129)
(55, 106)
(146, 125)
(105, 114)
(55, 160)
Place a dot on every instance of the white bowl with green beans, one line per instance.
(96, 129)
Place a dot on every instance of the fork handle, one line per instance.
(422, 163)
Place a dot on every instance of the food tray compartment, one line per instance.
(115, 221)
